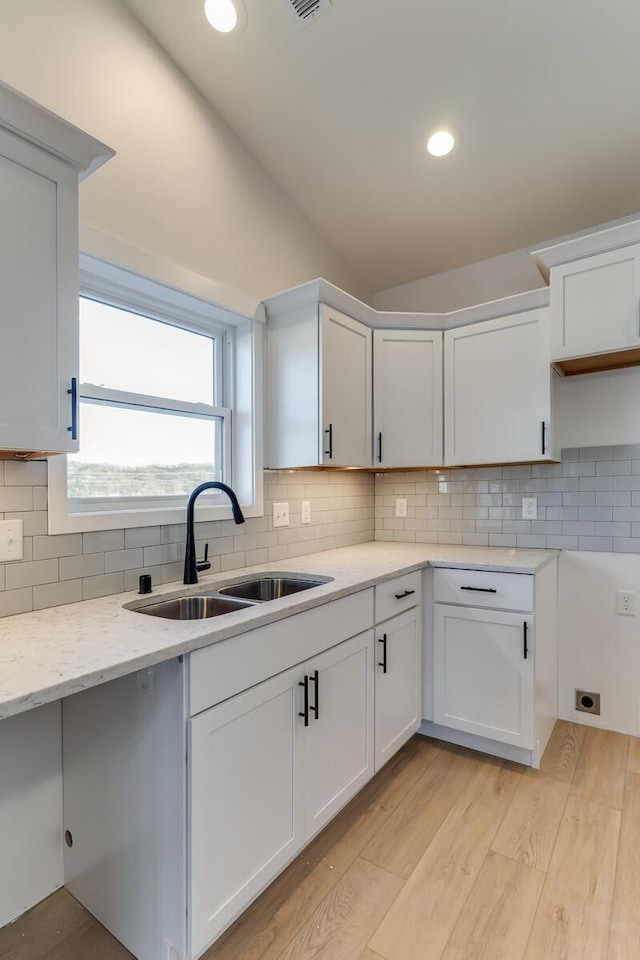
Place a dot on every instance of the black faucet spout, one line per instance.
(190, 567)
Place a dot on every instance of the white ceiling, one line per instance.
(543, 97)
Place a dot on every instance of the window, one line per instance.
(152, 415)
(160, 372)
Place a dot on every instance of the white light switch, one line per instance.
(10, 540)
(281, 514)
(401, 507)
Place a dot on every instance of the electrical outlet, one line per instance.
(305, 507)
(626, 602)
(529, 508)
(11, 540)
(401, 507)
(281, 514)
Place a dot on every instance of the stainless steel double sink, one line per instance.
(234, 596)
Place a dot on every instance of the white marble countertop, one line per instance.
(56, 652)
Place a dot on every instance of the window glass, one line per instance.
(125, 351)
(136, 452)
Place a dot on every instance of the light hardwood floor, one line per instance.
(445, 855)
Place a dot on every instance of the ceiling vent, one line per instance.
(306, 10)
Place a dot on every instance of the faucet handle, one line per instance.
(204, 563)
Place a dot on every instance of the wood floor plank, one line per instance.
(430, 903)
(59, 928)
(498, 914)
(400, 842)
(624, 941)
(530, 826)
(574, 913)
(633, 760)
(600, 772)
(268, 925)
(561, 755)
(344, 921)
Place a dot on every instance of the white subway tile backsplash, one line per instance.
(102, 541)
(16, 601)
(589, 501)
(55, 594)
(65, 545)
(102, 586)
(30, 573)
(16, 499)
(27, 473)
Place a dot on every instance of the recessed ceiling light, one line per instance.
(221, 14)
(440, 144)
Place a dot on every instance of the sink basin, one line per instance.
(194, 608)
(260, 589)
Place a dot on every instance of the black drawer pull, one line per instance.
(379, 448)
(526, 648)
(383, 663)
(305, 713)
(314, 707)
(401, 596)
(480, 589)
(329, 452)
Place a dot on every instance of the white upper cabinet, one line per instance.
(498, 384)
(41, 157)
(345, 405)
(407, 398)
(594, 286)
(318, 386)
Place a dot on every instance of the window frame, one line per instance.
(239, 361)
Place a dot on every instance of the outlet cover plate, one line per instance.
(626, 602)
(529, 508)
(401, 507)
(305, 508)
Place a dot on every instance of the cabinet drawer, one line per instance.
(483, 588)
(394, 596)
(230, 666)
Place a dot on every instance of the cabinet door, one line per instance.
(338, 756)
(345, 404)
(39, 313)
(595, 303)
(498, 390)
(483, 673)
(407, 401)
(398, 683)
(245, 818)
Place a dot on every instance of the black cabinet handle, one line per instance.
(314, 707)
(305, 713)
(380, 448)
(73, 391)
(544, 439)
(480, 589)
(329, 452)
(524, 634)
(383, 662)
(401, 596)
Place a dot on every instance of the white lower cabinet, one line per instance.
(398, 683)
(338, 741)
(245, 780)
(483, 673)
(494, 660)
(267, 770)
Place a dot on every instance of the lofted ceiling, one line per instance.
(543, 99)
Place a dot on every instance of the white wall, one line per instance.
(481, 282)
(599, 650)
(182, 185)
